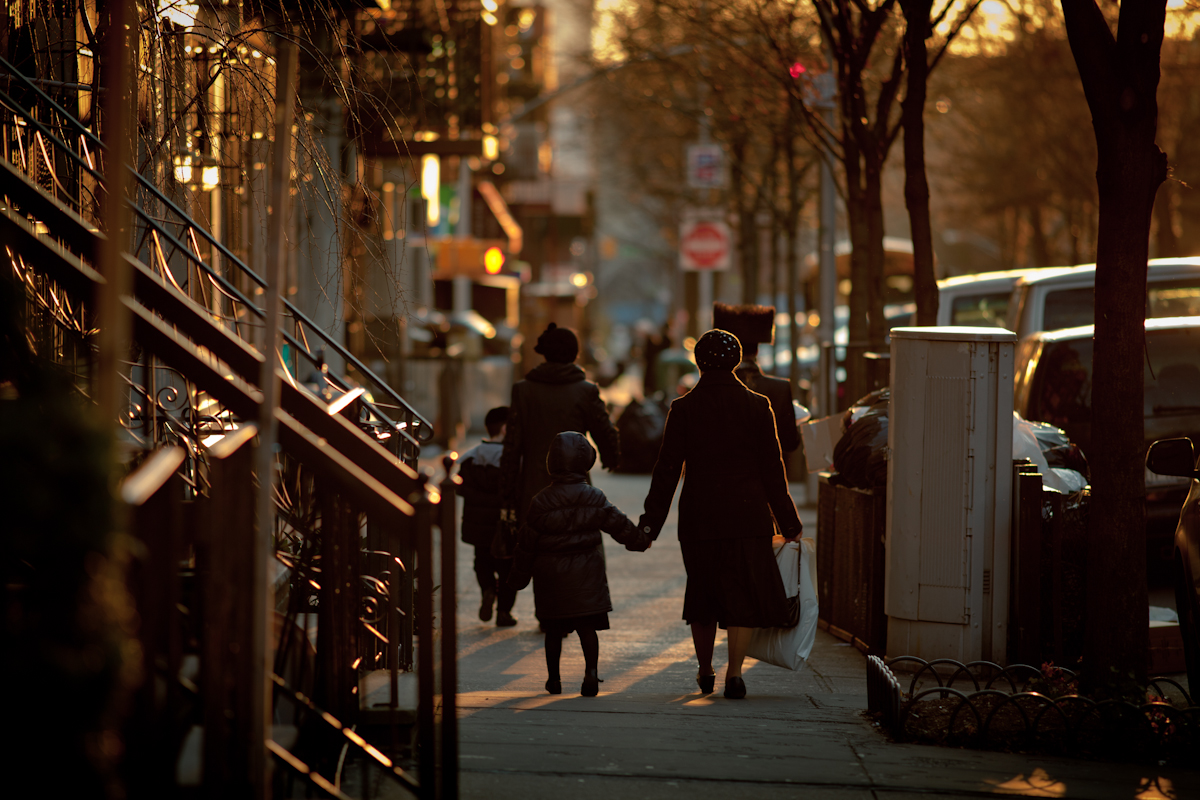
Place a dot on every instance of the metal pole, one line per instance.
(448, 530)
(118, 128)
(426, 718)
(827, 298)
(264, 542)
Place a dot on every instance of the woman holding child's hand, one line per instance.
(734, 493)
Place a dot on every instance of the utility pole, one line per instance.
(827, 229)
(263, 606)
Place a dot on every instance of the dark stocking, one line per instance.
(591, 648)
(704, 637)
(553, 654)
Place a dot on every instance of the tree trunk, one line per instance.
(916, 184)
(1120, 78)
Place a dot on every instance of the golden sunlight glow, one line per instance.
(1038, 784)
(1156, 789)
(183, 169)
(210, 177)
(491, 148)
(431, 181)
(182, 14)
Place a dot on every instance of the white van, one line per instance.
(1065, 298)
(982, 300)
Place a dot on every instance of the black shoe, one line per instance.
(505, 620)
(554, 686)
(591, 684)
(706, 683)
(735, 688)
(485, 607)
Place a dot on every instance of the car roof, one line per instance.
(1158, 267)
(1087, 331)
(982, 279)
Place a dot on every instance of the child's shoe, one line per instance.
(505, 620)
(591, 684)
(485, 607)
(554, 686)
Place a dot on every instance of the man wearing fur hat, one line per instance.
(755, 325)
(555, 396)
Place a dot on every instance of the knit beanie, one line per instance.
(558, 344)
(718, 350)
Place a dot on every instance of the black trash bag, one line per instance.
(860, 456)
(641, 426)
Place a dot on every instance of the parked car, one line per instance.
(1177, 458)
(1065, 298)
(981, 300)
(1054, 384)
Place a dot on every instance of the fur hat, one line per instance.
(752, 325)
(718, 350)
(558, 344)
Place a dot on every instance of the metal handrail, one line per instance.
(414, 428)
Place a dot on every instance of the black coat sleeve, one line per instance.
(510, 459)
(620, 527)
(774, 476)
(667, 471)
(603, 432)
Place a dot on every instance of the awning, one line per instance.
(499, 209)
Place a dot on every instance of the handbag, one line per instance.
(790, 647)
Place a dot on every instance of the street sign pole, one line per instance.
(827, 282)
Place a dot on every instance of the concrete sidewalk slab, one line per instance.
(649, 734)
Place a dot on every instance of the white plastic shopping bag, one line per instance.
(790, 647)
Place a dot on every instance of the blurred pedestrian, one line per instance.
(479, 470)
(561, 549)
(653, 343)
(734, 492)
(755, 325)
(555, 396)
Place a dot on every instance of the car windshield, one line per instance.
(1068, 308)
(1062, 394)
(980, 310)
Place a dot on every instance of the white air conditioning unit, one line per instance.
(949, 493)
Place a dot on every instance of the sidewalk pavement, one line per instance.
(650, 734)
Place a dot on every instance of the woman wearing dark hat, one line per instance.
(554, 397)
(734, 487)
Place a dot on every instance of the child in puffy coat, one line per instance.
(560, 547)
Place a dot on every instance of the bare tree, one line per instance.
(1120, 75)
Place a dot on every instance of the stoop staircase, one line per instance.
(354, 520)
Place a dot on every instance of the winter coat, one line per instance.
(480, 490)
(779, 392)
(560, 544)
(735, 480)
(553, 398)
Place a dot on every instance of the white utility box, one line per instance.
(949, 493)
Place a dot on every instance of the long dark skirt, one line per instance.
(733, 582)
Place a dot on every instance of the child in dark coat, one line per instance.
(480, 490)
(561, 548)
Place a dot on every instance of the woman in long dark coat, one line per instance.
(734, 492)
(555, 396)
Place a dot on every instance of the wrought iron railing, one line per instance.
(171, 243)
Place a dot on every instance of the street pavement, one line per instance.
(650, 734)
